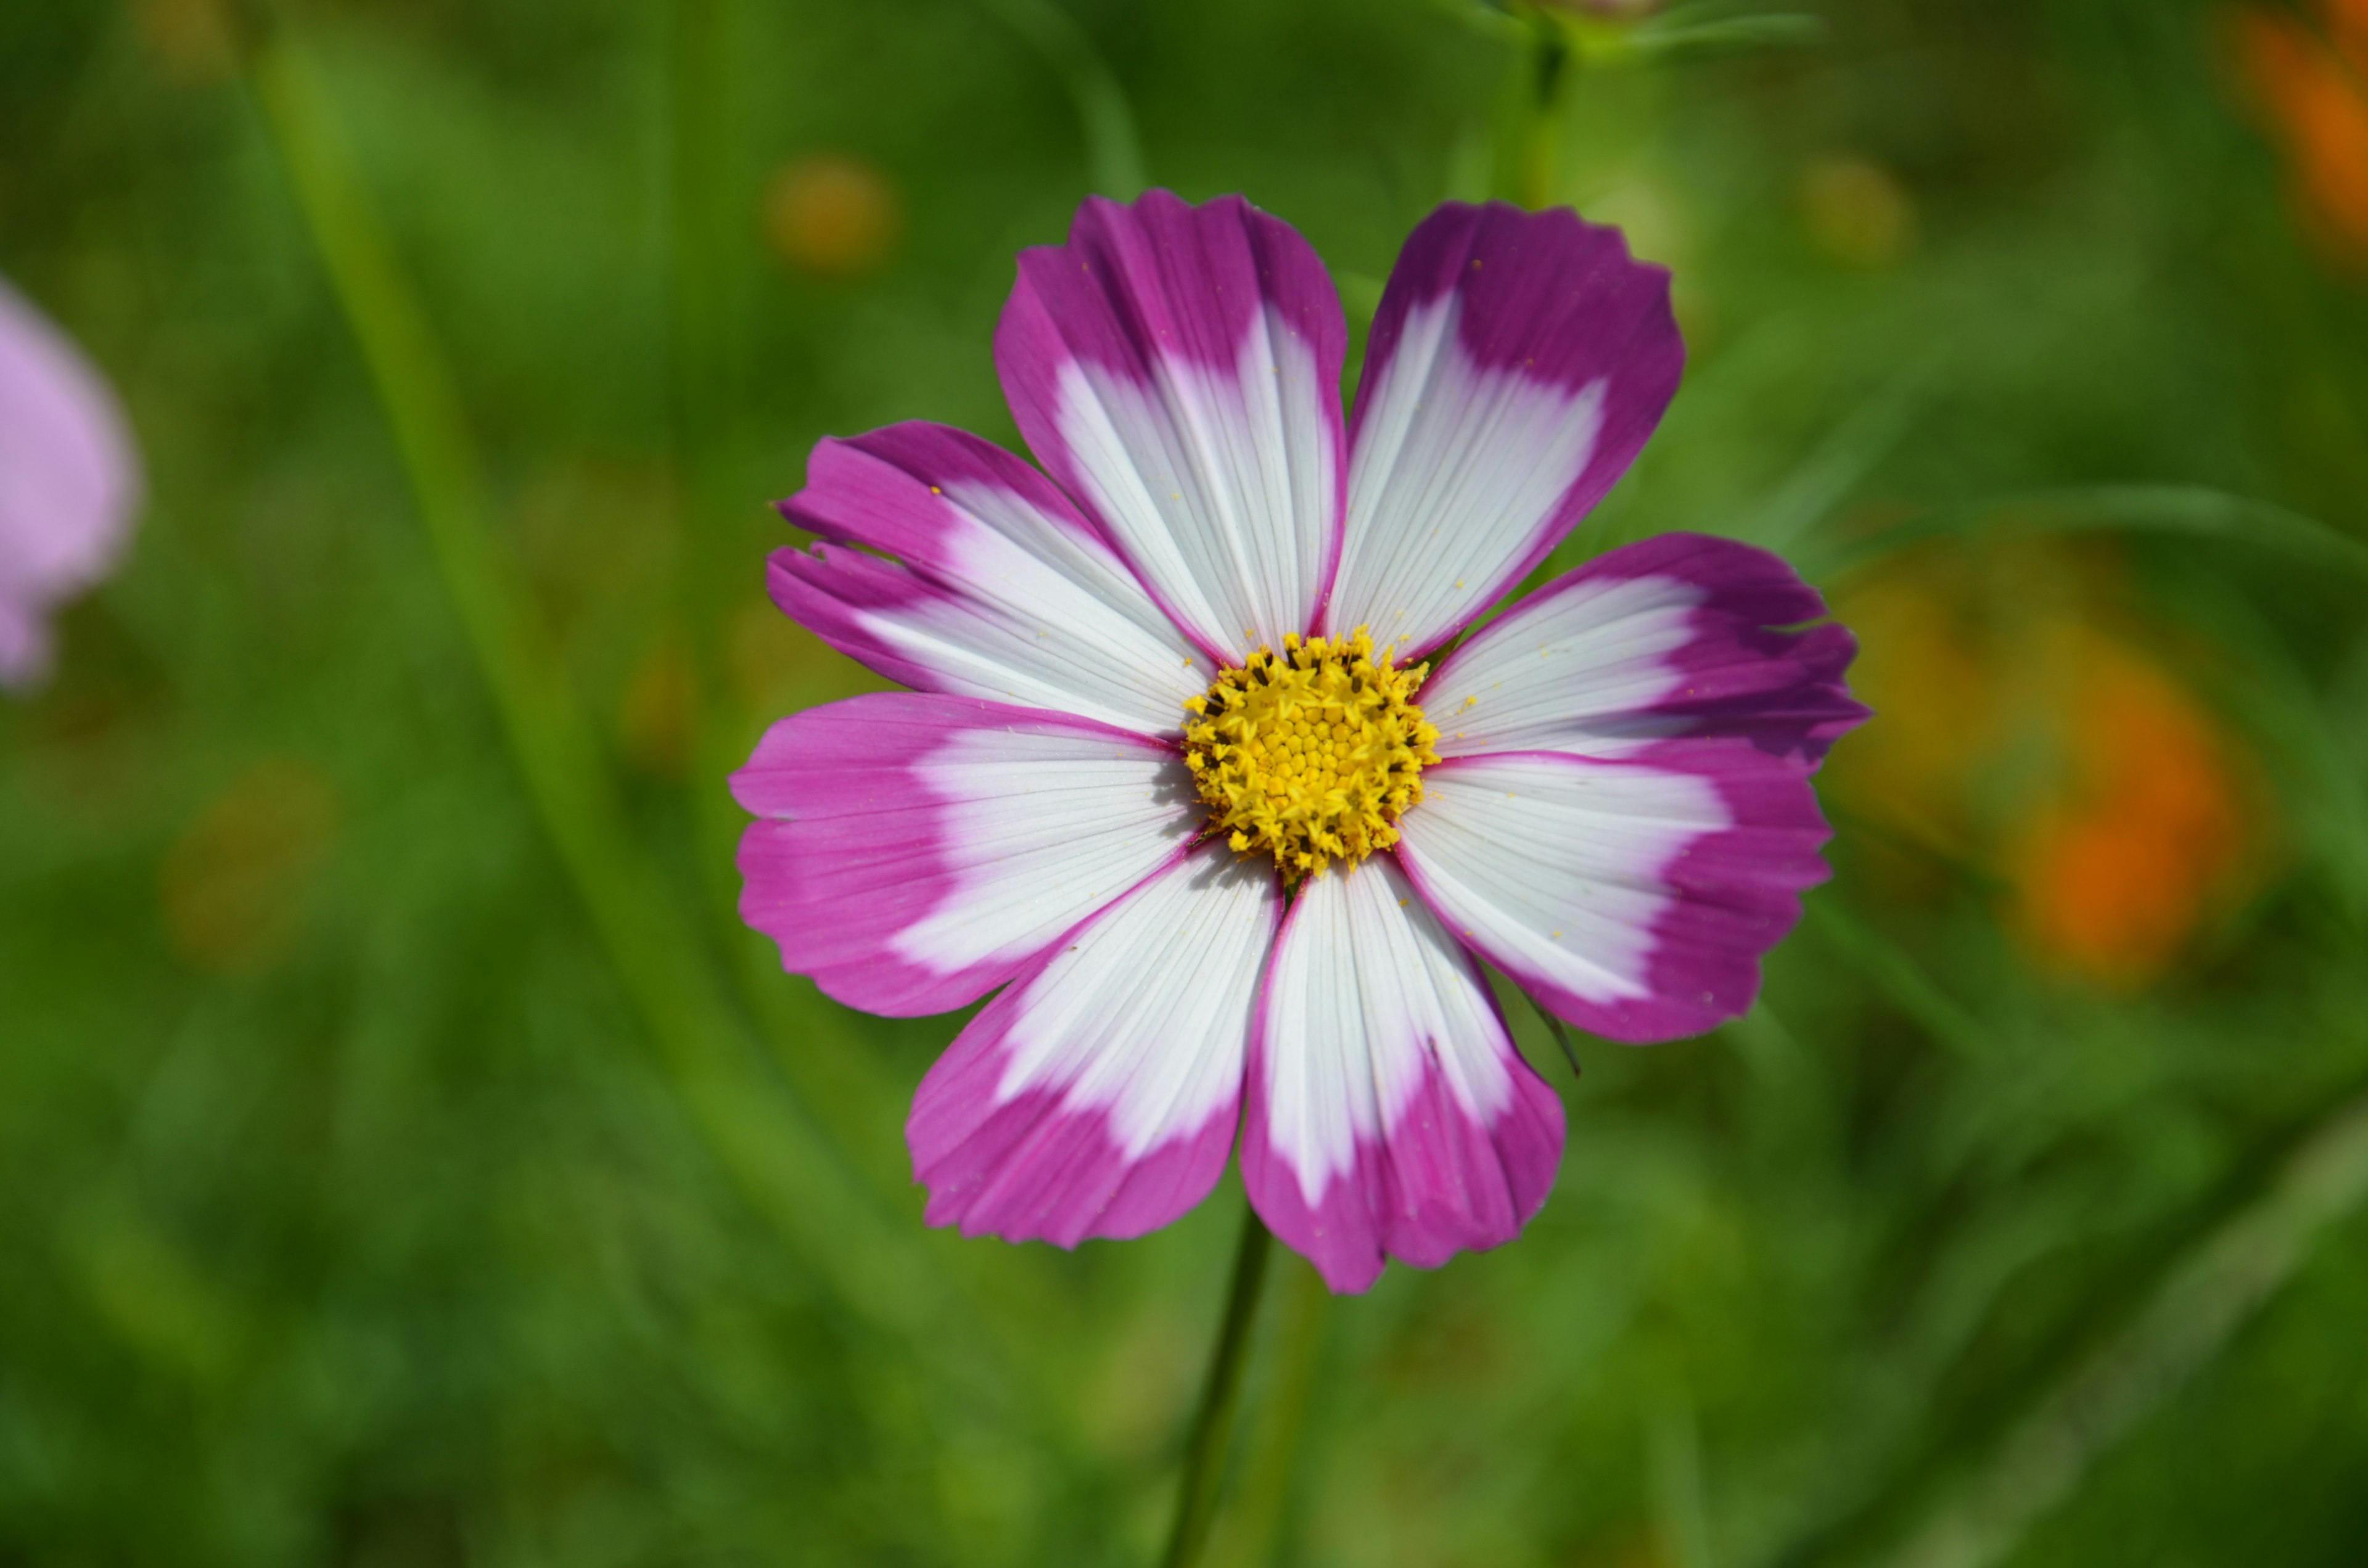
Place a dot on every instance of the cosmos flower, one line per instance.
(1198, 771)
(68, 483)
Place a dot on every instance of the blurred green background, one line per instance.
(406, 1159)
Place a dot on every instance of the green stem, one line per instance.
(721, 562)
(1254, 1525)
(1204, 1458)
(1113, 150)
(703, 1046)
(702, 318)
(1533, 141)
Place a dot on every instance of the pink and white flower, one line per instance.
(1197, 770)
(69, 481)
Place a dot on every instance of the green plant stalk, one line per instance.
(1114, 163)
(1529, 158)
(703, 312)
(705, 237)
(777, 1160)
(2180, 510)
(2196, 1311)
(1253, 1527)
(1213, 1424)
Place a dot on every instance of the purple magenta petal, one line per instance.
(1098, 1095)
(1634, 898)
(1518, 363)
(69, 483)
(1005, 592)
(1678, 635)
(912, 852)
(1389, 1114)
(1176, 369)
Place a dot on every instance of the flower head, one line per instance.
(1203, 771)
(68, 483)
(1310, 756)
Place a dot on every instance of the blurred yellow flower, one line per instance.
(833, 215)
(2312, 84)
(1857, 210)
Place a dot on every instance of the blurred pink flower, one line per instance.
(69, 481)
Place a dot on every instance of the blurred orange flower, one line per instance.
(2312, 82)
(2146, 831)
(2024, 735)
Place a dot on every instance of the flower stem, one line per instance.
(1540, 144)
(1254, 1525)
(1204, 1459)
(1113, 149)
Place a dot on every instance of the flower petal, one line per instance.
(1389, 1111)
(1633, 898)
(1518, 362)
(912, 852)
(1005, 592)
(1674, 635)
(1177, 369)
(69, 482)
(1098, 1097)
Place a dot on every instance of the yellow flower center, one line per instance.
(1311, 756)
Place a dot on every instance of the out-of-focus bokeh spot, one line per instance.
(2026, 732)
(1857, 211)
(233, 885)
(1146, 1383)
(656, 715)
(778, 666)
(2312, 84)
(1654, 214)
(192, 40)
(833, 215)
(598, 541)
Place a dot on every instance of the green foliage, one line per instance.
(405, 1158)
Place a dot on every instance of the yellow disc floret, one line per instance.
(1312, 755)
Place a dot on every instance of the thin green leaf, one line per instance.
(1114, 159)
(2186, 511)
(1561, 1035)
(1893, 972)
(2199, 1307)
(1833, 472)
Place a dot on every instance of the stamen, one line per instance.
(1311, 756)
